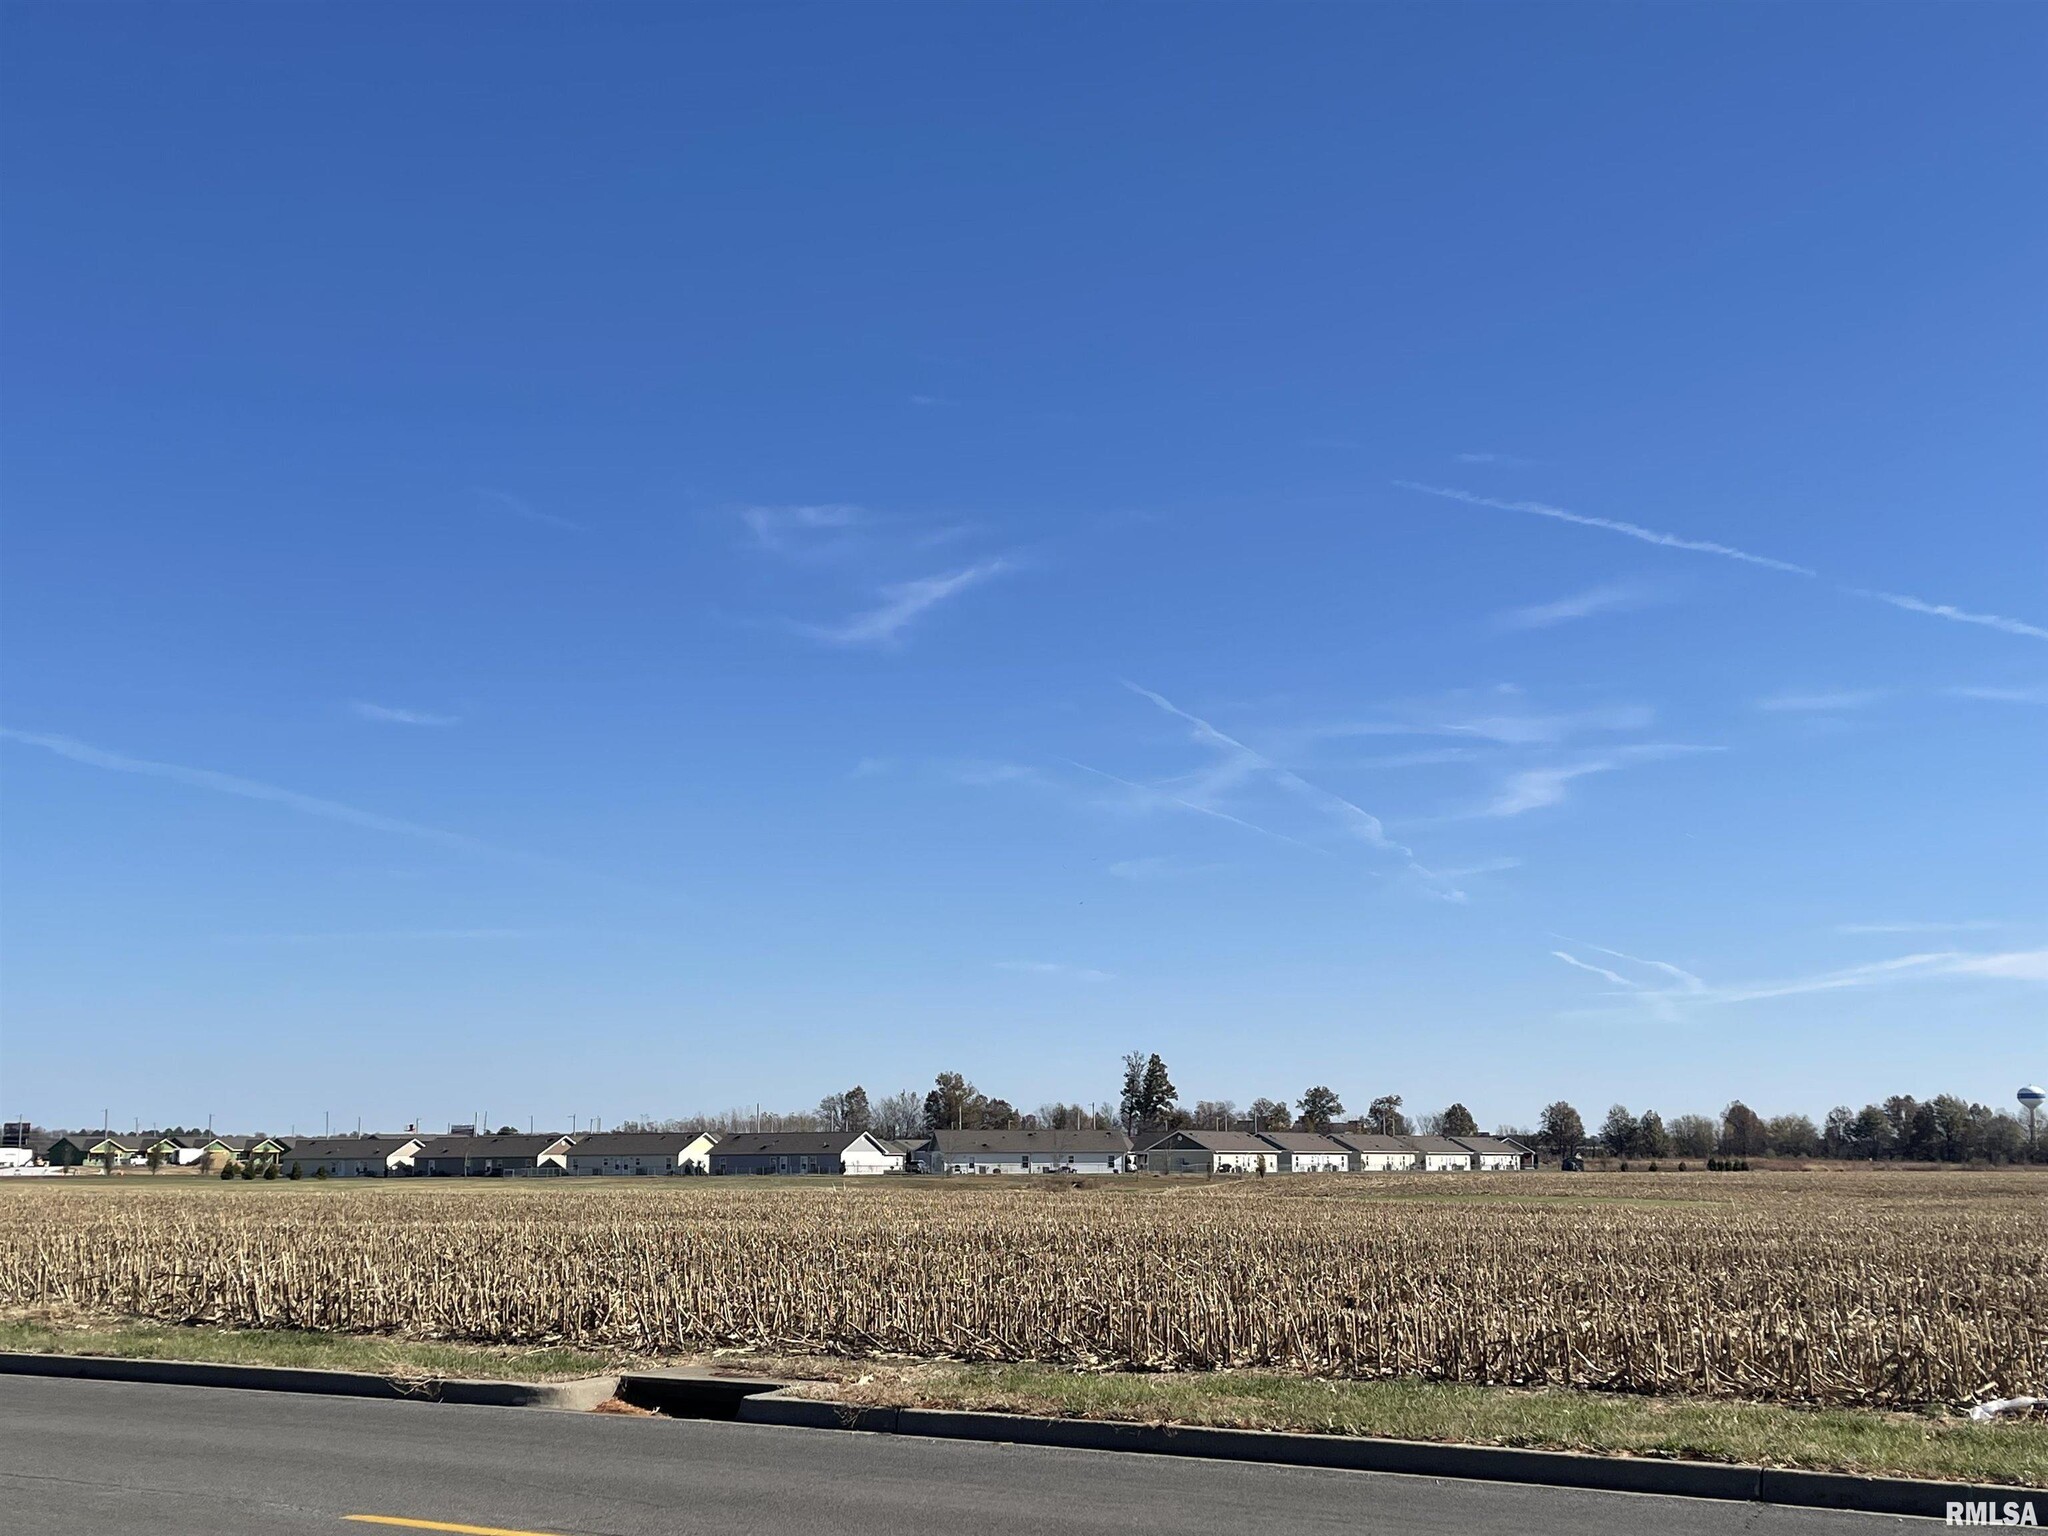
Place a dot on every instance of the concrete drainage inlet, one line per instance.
(691, 1394)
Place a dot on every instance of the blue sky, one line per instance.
(621, 560)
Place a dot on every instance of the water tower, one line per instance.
(2031, 1098)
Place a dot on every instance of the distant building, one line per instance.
(618, 1153)
(491, 1156)
(1495, 1154)
(68, 1151)
(1009, 1151)
(1440, 1154)
(254, 1150)
(352, 1157)
(838, 1152)
(1372, 1153)
(1308, 1152)
(1212, 1152)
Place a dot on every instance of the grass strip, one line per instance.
(128, 1339)
(1945, 1448)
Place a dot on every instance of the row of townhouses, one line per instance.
(629, 1153)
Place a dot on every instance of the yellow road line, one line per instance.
(442, 1525)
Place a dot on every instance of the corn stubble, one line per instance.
(1875, 1288)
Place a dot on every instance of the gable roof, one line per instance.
(1437, 1146)
(1303, 1141)
(963, 1143)
(488, 1146)
(639, 1143)
(334, 1148)
(791, 1143)
(1366, 1141)
(1218, 1141)
(1493, 1146)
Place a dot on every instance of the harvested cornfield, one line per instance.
(1875, 1288)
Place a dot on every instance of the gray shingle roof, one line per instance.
(635, 1144)
(787, 1144)
(338, 1148)
(1302, 1141)
(1437, 1145)
(1051, 1143)
(487, 1146)
(1364, 1141)
(1219, 1141)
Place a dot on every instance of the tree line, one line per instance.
(1944, 1128)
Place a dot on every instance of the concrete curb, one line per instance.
(1416, 1458)
(570, 1396)
(754, 1401)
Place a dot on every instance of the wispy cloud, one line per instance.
(2010, 965)
(1357, 821)
(1838, 702)
(1352, 819)
(1661, 1001)
(1729, 552)
(1686, 980)
(1598, 970)
(1999, 695)
(930, 400)
(1960, 925)
(808, 530)
(246, 789)
(1948, 611)
(2016, 965)
(1492, 458)
(1613, 597)
(1611, 525)
(385, 714)
(525, 511)
(1151, 795)
(984, 773)
(1533, 789)
(902, 604)
(1055, 968)
(1528, 728)
(1484, 719)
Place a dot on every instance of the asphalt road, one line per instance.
(84, 1458)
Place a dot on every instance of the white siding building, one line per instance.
(1307, 1152)
(1025, 1152)
(1212, 1152)
(1378, 1154)
(1440, 1154)
(491, 1156)
(1492, 1154)
(351, 1157)
(621, 1154)
(795, 1152)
